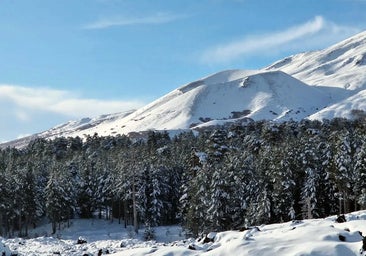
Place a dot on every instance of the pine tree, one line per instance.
(193, 166)
(4, 198)
(219, 215)
(310, 189)
(31, 205)
(244, 188)
(343, 163)
(284, 186)
(210, 185)
(359, 189)
(327, 188)
(58, 199)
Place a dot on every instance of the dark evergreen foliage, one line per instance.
(222, 178)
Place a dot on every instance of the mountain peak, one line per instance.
(341, 65)
(320, 84)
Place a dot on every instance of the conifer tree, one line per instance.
(359, 189)
(59, 198)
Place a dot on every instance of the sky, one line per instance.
(65, 60)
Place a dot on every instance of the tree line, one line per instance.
(220, 178)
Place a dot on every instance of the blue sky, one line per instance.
(63, 60)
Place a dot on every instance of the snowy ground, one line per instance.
(99, 234)
(309, 237)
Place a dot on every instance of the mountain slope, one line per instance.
(69, 129)
(321, 84)
(349, 108)
(341, 65)
(227, 96)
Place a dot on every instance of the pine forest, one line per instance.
(221, 178)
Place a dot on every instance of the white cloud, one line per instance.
(158, 18)
(24, 102)
(22, 115)
(317, 32)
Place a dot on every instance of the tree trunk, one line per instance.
(26, 225)
(68, 218)
(20, 224)
(54, 227)
(119, 211)
(125, 213)
(54, 224)
(135, 224)
(345, 199)
(1, 224)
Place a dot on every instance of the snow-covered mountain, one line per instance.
(228, 96)
(70, 129)
(321, 84)
(342, 65)
(347, 108)
(225, 97)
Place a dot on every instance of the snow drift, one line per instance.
(312, 237)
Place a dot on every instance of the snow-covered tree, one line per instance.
(60, 201)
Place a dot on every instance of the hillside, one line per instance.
(342, 65)
(320, 84)
(70, 129)
(348, 108)
(267, 95)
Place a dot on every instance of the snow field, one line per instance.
(316, 237)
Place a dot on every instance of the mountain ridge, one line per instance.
(335, 66)
(320, 84)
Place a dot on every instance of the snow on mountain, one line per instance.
(320, 84)
(311, 237)
(226, 96)
(349, 108)
(84, 124)
(341, 65)
(69, 129)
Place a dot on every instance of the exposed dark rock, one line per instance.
(238, 114)
(81, 241)
(341, 219)
(191, 247)
(209, 238)
(242, 229)
(342, 238)
(249, 228)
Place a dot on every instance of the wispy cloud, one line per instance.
(158, 18)
(314, 33)
(23, 102)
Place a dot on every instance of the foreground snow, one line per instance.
(308, 237)
(98, 234)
